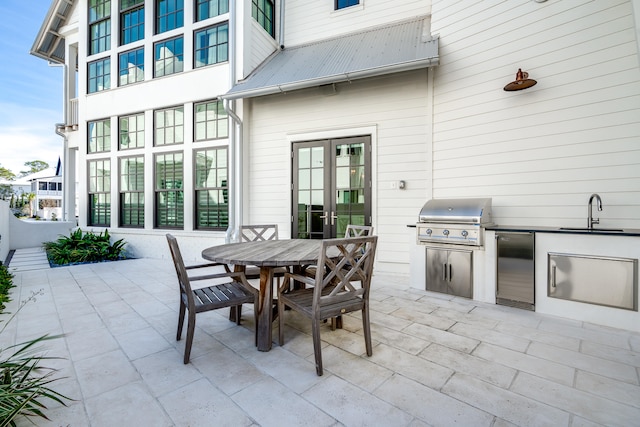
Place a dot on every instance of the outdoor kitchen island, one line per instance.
(607, 257)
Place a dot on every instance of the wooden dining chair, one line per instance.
(258, 233)
(341, 285)
(352, 230)
(233, 292)
(255, 233)
(358, 230)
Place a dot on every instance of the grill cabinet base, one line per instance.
(450, 271)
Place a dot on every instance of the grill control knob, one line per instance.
(445, 232)
(464, 233)
(429, 231)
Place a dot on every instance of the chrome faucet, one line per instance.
(590, 219)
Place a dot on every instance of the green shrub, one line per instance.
(81, 247)
(6, 283)
(24, 383)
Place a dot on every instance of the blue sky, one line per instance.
(30, 89)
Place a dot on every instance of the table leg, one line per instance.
(232, 310)
(297, 269)
(265, 309)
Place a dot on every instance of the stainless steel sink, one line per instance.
(594, 230)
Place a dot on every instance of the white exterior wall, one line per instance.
(180, 89)
(541, 152)
(391, 109)
(5, 237)
(253, 46)
(308, 21)
(19, 234)
(261, 46)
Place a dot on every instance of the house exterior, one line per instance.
(46, 186)
(311, 115)
(16, 187)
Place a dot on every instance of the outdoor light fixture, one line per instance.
(522, 81)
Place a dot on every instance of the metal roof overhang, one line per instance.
(384, 50)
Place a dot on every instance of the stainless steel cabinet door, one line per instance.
(450, 272)
(605, 281)
(515, 268)
(437, 270)
(460, 274)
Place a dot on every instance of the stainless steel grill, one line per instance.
(454, 221)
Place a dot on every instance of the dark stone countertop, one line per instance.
(604, 231)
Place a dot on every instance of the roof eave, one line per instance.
(47, 27)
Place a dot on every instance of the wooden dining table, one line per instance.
(267, 255)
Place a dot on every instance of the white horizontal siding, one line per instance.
(307, 21)
(395, 106)
(539, 153)
(260, 45)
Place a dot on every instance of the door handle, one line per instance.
(333, 217)
(450, 272)
(325, 217)
(444, 271)
(553, 276)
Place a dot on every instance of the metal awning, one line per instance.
(394, 48)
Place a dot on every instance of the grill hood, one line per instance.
(460, 211)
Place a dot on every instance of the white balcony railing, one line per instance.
(73, 113)
(49, 193)
(72, 117)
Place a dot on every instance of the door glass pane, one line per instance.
(303, 222)
(349, 186)
(310, 197)
(342, 212)
(357, 154)
(304, 179)
(317, 157)
(317, 179)
(304, 158)
(317, 226)
(317, 199)
(304, 197)
(357, 176)
(342, 155)
(310, 224)
(342, 177)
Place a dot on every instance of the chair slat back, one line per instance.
(345, 266)
(256, 233)
(358, 230)
(181, 271)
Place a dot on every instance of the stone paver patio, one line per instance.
(437, 360)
